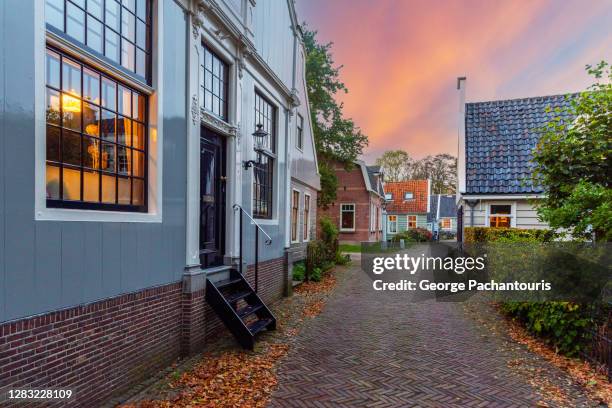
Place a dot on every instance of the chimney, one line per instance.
(461, 138)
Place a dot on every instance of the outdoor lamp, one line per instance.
(259, 138)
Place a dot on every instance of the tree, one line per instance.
(572, 162)
(336, 138)
(396, 165)
(441, 169)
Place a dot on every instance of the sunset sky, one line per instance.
(401, 59)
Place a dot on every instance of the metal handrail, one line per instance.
(257, 229)
(239, 207)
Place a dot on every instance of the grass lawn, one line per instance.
(350, 248)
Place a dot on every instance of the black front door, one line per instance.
(212, 199)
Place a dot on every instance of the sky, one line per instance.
(401, 59)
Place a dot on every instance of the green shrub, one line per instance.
(316, 274)
(489, 234)
(299, 271)
(329, 231)
(563, 325)
(413, 235)
(342, 259)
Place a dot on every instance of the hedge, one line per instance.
(488, 234)
(563, 325)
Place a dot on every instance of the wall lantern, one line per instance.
(259, 138)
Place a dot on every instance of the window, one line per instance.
(408, 196)
(392, 224)
(445, 223)
(388, 196)
(500, 216)
(295, 212)
(263, 174)
(96, 139)
(412, 221)
(213, 89)
(120, 32)
(306, 217)
(300, 132)
(347, 217)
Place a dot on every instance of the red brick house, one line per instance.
(407, 205)
(357, 210)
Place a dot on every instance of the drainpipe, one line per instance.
(472, 204)
(461, 81)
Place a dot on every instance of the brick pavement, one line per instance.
(376, 350)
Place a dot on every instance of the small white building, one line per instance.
(496, 141)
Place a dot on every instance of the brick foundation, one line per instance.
(102, 349)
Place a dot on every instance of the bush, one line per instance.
(488, 234)
(299, 271)
(316, 274)
(563, 325)
(414, 235)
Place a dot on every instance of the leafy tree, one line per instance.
(441, 169)
(336, 138)
(572, 162)
(396, 165)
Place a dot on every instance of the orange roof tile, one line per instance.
(398, 189)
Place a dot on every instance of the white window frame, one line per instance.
(450, 221)
(297, 220)
(307, 219)
(155, 131)
(408, 198)
(390, 223)
(512, 214)
(299, 141)
(354, 217)
(388, 196)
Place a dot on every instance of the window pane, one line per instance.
(138, 140)
(139, 163)
(54, 13)
(91, 86)
(112, 45)
(91, 186)
(125, 101)
(75, 23)
(108, 189)
(91, 152)
(141, 63)
(53, 138)
(141, 9)
(71, 148)
(138, 192)
(124, 160)
(108, 157)
(501, 209)
(91, 119)
(94, 34)
(127, 54)
(112, 14)
(124, 130)
(107, 128)
(141, 34)
(53, 69)
(53, 182)
(128, 25)
(138, 106)
(94, 7)
(109, 94)
(71, 184)
(124, 190)
(130, 4)
(71, 108)
(80, 3)
(71, 77)
(52, 108)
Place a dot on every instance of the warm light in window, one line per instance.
(70, 104)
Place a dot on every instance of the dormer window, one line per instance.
(388, 196)
(408, 196)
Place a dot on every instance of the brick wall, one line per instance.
(102, 349)
(98, 350)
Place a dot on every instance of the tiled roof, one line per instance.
(375, 182)
(397, 205)
(499, 139)
(448, 207)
